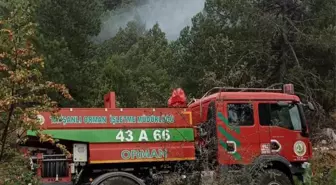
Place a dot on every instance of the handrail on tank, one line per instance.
(232, 89)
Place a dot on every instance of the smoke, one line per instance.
(172, 16)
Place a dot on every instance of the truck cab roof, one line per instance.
(246, 96)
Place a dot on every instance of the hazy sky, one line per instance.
(172, 16)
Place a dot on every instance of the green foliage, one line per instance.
(23, 92)
(117, 4)
(17, 171)
(123, 40)
(64, 30)
(322, 170)
(221, 49)
(248, 43)
(230, 43)
(134, 70)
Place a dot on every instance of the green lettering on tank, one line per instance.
(144, 154)
(95, 119)
(125, 154)
(122, 119)
(66, 120)
(125, 119)
(156, 119)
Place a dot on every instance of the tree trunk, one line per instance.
(5, 132)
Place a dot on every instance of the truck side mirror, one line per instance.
(310, 106)
(282, 104)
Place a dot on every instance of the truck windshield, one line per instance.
(288, 117)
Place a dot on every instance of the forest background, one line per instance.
(97, 46)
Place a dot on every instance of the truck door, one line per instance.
(237, 132)
(280, 131)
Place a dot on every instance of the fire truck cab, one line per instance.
(249, 126)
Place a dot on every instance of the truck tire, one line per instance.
(117, 178)
(273, 177)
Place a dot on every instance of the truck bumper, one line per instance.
(300, 170)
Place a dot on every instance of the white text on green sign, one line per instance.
(143, 135)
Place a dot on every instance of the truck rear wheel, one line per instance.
(117, 178)
(273, 177)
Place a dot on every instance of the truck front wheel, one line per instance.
(117, 178)
(273, 177)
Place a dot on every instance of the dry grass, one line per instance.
(324, 166)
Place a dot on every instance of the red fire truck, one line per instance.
(230, 128)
